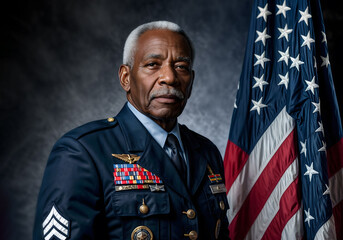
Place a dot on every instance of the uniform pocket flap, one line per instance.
(129, 203)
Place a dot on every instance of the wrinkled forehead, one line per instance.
(154, 42)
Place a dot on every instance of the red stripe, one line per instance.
(290, 203)
(337, 213)
(234, 160)
(335, 158)
(263, 187)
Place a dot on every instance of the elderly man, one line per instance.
(140, 174)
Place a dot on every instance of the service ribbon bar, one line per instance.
(215, 178)
(127, 174)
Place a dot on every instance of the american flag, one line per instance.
(284, 157)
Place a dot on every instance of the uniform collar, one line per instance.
(158, 133)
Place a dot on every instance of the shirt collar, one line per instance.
(158, 133)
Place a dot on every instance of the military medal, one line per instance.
(141, 232)
(217, 185)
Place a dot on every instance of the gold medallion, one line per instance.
(141, 233)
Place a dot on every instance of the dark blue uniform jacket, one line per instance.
(78, 199)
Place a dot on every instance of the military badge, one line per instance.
(129, 158)
(141, 233)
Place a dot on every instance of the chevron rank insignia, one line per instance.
(129, 158)
(55, 226)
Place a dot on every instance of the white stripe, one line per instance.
(294, 227)
(55, 233)
(55, 224)
(327, 231)
(336, 190)
(272, 206)
(263, 151)
(55, 213)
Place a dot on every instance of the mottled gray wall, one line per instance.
(59, 61)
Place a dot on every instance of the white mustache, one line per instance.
(167, 91)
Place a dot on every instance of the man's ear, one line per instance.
(124, 77)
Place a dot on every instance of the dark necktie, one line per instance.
(178, 161)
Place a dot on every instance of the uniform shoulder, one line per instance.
(91, 127)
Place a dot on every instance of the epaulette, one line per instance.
(91, 127)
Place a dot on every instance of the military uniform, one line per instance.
(92, 188)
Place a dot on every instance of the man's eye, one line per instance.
(152, 64)
(183, 67)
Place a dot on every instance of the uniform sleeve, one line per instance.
(224, 228)
(70, 202)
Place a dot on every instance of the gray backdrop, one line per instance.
(59, 63)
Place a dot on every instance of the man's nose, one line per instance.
(167, 75)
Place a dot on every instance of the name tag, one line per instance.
(218, 188)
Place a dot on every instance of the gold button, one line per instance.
(217, 231)
(222, 205)
(193, 235)
(110, 119)
(143, 208)
(190, 213)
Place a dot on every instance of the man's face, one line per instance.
(160, 80)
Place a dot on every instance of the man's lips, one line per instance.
(166, 98)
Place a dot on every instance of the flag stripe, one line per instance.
(326, 231)
(294, 227)
(337, 213)
(289, 206)
(264, 186)
(335, 157)
(235, 161)
(265, 148)
(271, 207)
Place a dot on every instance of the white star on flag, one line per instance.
(324, 37)
(307, 40)
(304, 16)
(310, 171)
(323, 148)
(264, 12)
(284, 32)
(308, 217)
(258, 105)
(284, 80)
(260, 82)
(284, 56)
(303, 147)
(261, 59)
(325, 60)
(317, 107)
(262, 36)
(296, 62)
(282, 9)
(311, 85)
(327, 191)
(320, 128)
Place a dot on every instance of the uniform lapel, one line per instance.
(153, 157)
(196, 161)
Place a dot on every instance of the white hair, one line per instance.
(131, 41)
